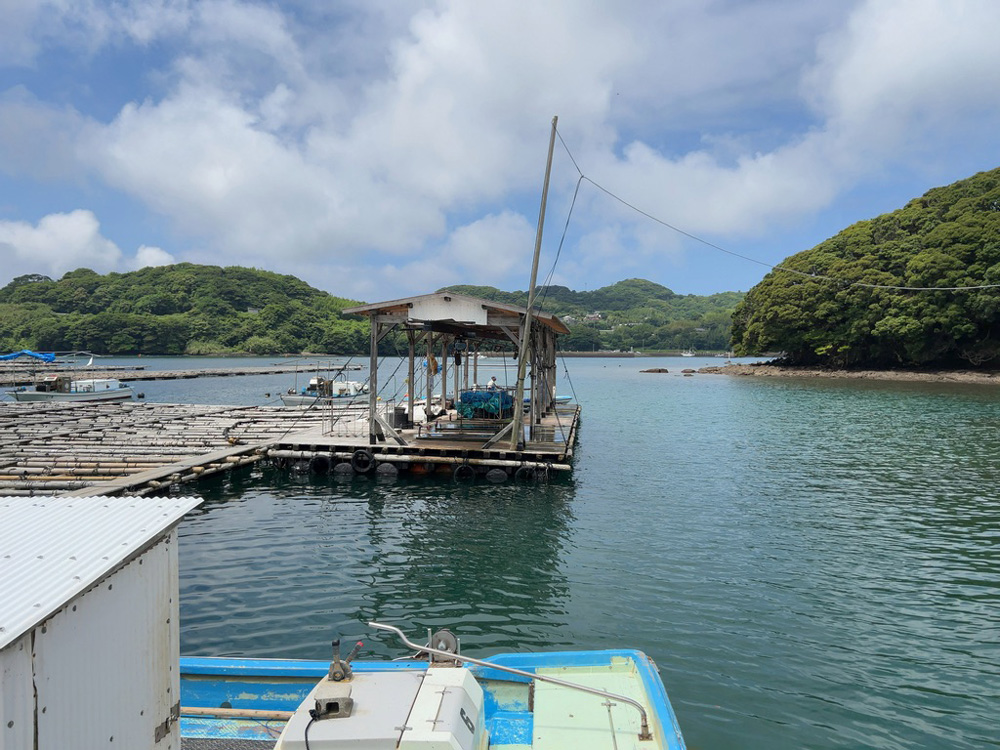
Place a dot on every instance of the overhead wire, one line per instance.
(805, 274)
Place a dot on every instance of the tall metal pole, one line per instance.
(517, 436)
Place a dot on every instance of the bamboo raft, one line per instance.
(139, 448)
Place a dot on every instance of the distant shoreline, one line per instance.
(922, 376)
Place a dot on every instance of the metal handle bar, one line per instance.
(644, 733)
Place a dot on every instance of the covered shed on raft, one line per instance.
(458, 328)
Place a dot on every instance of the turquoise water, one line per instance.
(810, 563)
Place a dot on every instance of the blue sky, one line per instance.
(383, 149)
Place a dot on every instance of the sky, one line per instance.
(379, 149)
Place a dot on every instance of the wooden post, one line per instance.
(465, 373)
(409, 382)
(428, 377)
(458, 369)
(373, 381)
(444, 372)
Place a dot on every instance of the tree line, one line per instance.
(179, 309)
(198, 309)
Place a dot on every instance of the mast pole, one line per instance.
(517, 436)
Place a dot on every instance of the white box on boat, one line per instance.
(447, 713)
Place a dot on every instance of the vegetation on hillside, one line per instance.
(194, 309)
(178, 309)
(632, 314)
(826, 315)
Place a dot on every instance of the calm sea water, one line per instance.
(810, 563)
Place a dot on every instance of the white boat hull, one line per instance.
(119, 394)
(297, 399)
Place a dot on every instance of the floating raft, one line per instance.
(139, 448)
(17, 374)
(450, 445)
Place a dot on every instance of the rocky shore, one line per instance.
(927, 376)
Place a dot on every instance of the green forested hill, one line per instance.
(949, 237)
(177, 309)
(195, 309)
(634, 313)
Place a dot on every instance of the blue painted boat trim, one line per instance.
(216, 665)
(281, 684)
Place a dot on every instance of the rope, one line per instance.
(696, 238)
(548, 278)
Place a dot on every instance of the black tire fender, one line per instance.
(464, 473)
(362, 461)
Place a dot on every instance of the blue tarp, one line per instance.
(45, 357)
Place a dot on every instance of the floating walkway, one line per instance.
(140, 448)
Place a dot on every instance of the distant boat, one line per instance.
(324, 391)
(438, 698)
(57, 387)
(556, 400)
(687, 353)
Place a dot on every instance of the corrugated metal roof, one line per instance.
(53, 548)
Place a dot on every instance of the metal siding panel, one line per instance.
(17, 696)
(105, 666)
(53, 548)
(458, 309)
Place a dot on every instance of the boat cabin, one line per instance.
(65, 384)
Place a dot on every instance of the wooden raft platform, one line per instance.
(138, 448)
(27, 373)
(448, 445)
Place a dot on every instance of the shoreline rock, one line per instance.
(925, 376)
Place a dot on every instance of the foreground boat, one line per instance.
(64, 388)
(441, 699)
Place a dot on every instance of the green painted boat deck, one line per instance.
(565, 718)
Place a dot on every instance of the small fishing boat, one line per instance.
(322, 390)
(61, 387)
(556, 400)
(687, 353)
(438, 698)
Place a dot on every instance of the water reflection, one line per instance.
(810, 563)
(279, 571)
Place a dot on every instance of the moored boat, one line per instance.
(438, 698)
(322, 390)
(61, 387)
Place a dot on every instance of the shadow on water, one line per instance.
(277, 564)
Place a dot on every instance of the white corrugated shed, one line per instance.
(53, 548)
(89, 636)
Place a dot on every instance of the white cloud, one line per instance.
(489, 248)
(901, 73)
(302, 136)
(57, 244)
(147, 256)
(39, 139)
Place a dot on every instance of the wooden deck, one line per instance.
(140, 447)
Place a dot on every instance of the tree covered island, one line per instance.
(917, 287)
